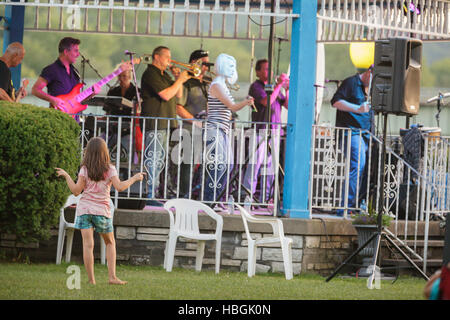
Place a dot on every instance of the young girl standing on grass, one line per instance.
(93, 209)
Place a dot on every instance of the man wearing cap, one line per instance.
(193, 102)
(353, 112)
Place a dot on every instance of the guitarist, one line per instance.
(13, 56)
(61, 76)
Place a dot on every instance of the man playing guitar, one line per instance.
(61, 76)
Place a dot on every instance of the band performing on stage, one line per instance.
(182, 110)
(182, 125)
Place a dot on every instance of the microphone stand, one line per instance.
(137, 110)
(83, 67)
(439, 98)
(83, 62)
(279, 52)
(135, 82)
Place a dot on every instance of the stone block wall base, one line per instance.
(141, 239)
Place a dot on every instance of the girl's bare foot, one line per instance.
(92, 282)
(117, 281)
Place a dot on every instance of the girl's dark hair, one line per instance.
(96, 159)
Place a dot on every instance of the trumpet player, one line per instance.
(261, 155)
(159, 95)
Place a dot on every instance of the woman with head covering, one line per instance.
(218, 157)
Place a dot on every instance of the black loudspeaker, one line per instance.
(135, 192)
(396, 76)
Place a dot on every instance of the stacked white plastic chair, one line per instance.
(66, 230)
(185, 224)
(278, 237)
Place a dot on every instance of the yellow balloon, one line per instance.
(362, 54)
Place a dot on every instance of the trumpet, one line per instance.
(146, 59)
(193, 69)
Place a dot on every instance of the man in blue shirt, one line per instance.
(353, 111)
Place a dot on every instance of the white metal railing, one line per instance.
(212, 19)
(416, 186)
(364, 20)
(210, 165)
(338, 20)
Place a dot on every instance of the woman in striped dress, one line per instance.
(219, 157)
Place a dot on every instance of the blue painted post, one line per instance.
(13, 32)
(301, 110)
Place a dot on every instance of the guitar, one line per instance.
(72, 100)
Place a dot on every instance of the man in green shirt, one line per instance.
(159, 95)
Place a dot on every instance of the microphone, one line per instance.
(129, 52)
(319, 86)
(207, 64)
(333, 81)
(440, 96)
(281, 39)
(253, 104)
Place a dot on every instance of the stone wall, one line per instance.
(319, 245)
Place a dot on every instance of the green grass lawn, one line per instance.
(48, 281)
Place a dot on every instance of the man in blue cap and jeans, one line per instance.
(354, 112)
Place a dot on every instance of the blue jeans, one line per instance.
(358, 157)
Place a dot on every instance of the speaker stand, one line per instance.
(381, 232)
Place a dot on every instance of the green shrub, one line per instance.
(33, 141)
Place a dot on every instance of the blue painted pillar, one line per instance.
(301, 110)
(13, 32)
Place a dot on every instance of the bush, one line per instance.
(33, 141)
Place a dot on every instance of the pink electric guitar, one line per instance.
(72, 100)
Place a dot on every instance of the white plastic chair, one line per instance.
(185, 224)
(66, 229)
(278, 237)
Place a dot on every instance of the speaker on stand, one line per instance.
(395, 89)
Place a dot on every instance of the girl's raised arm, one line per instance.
(123, 185)
(75, 188)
